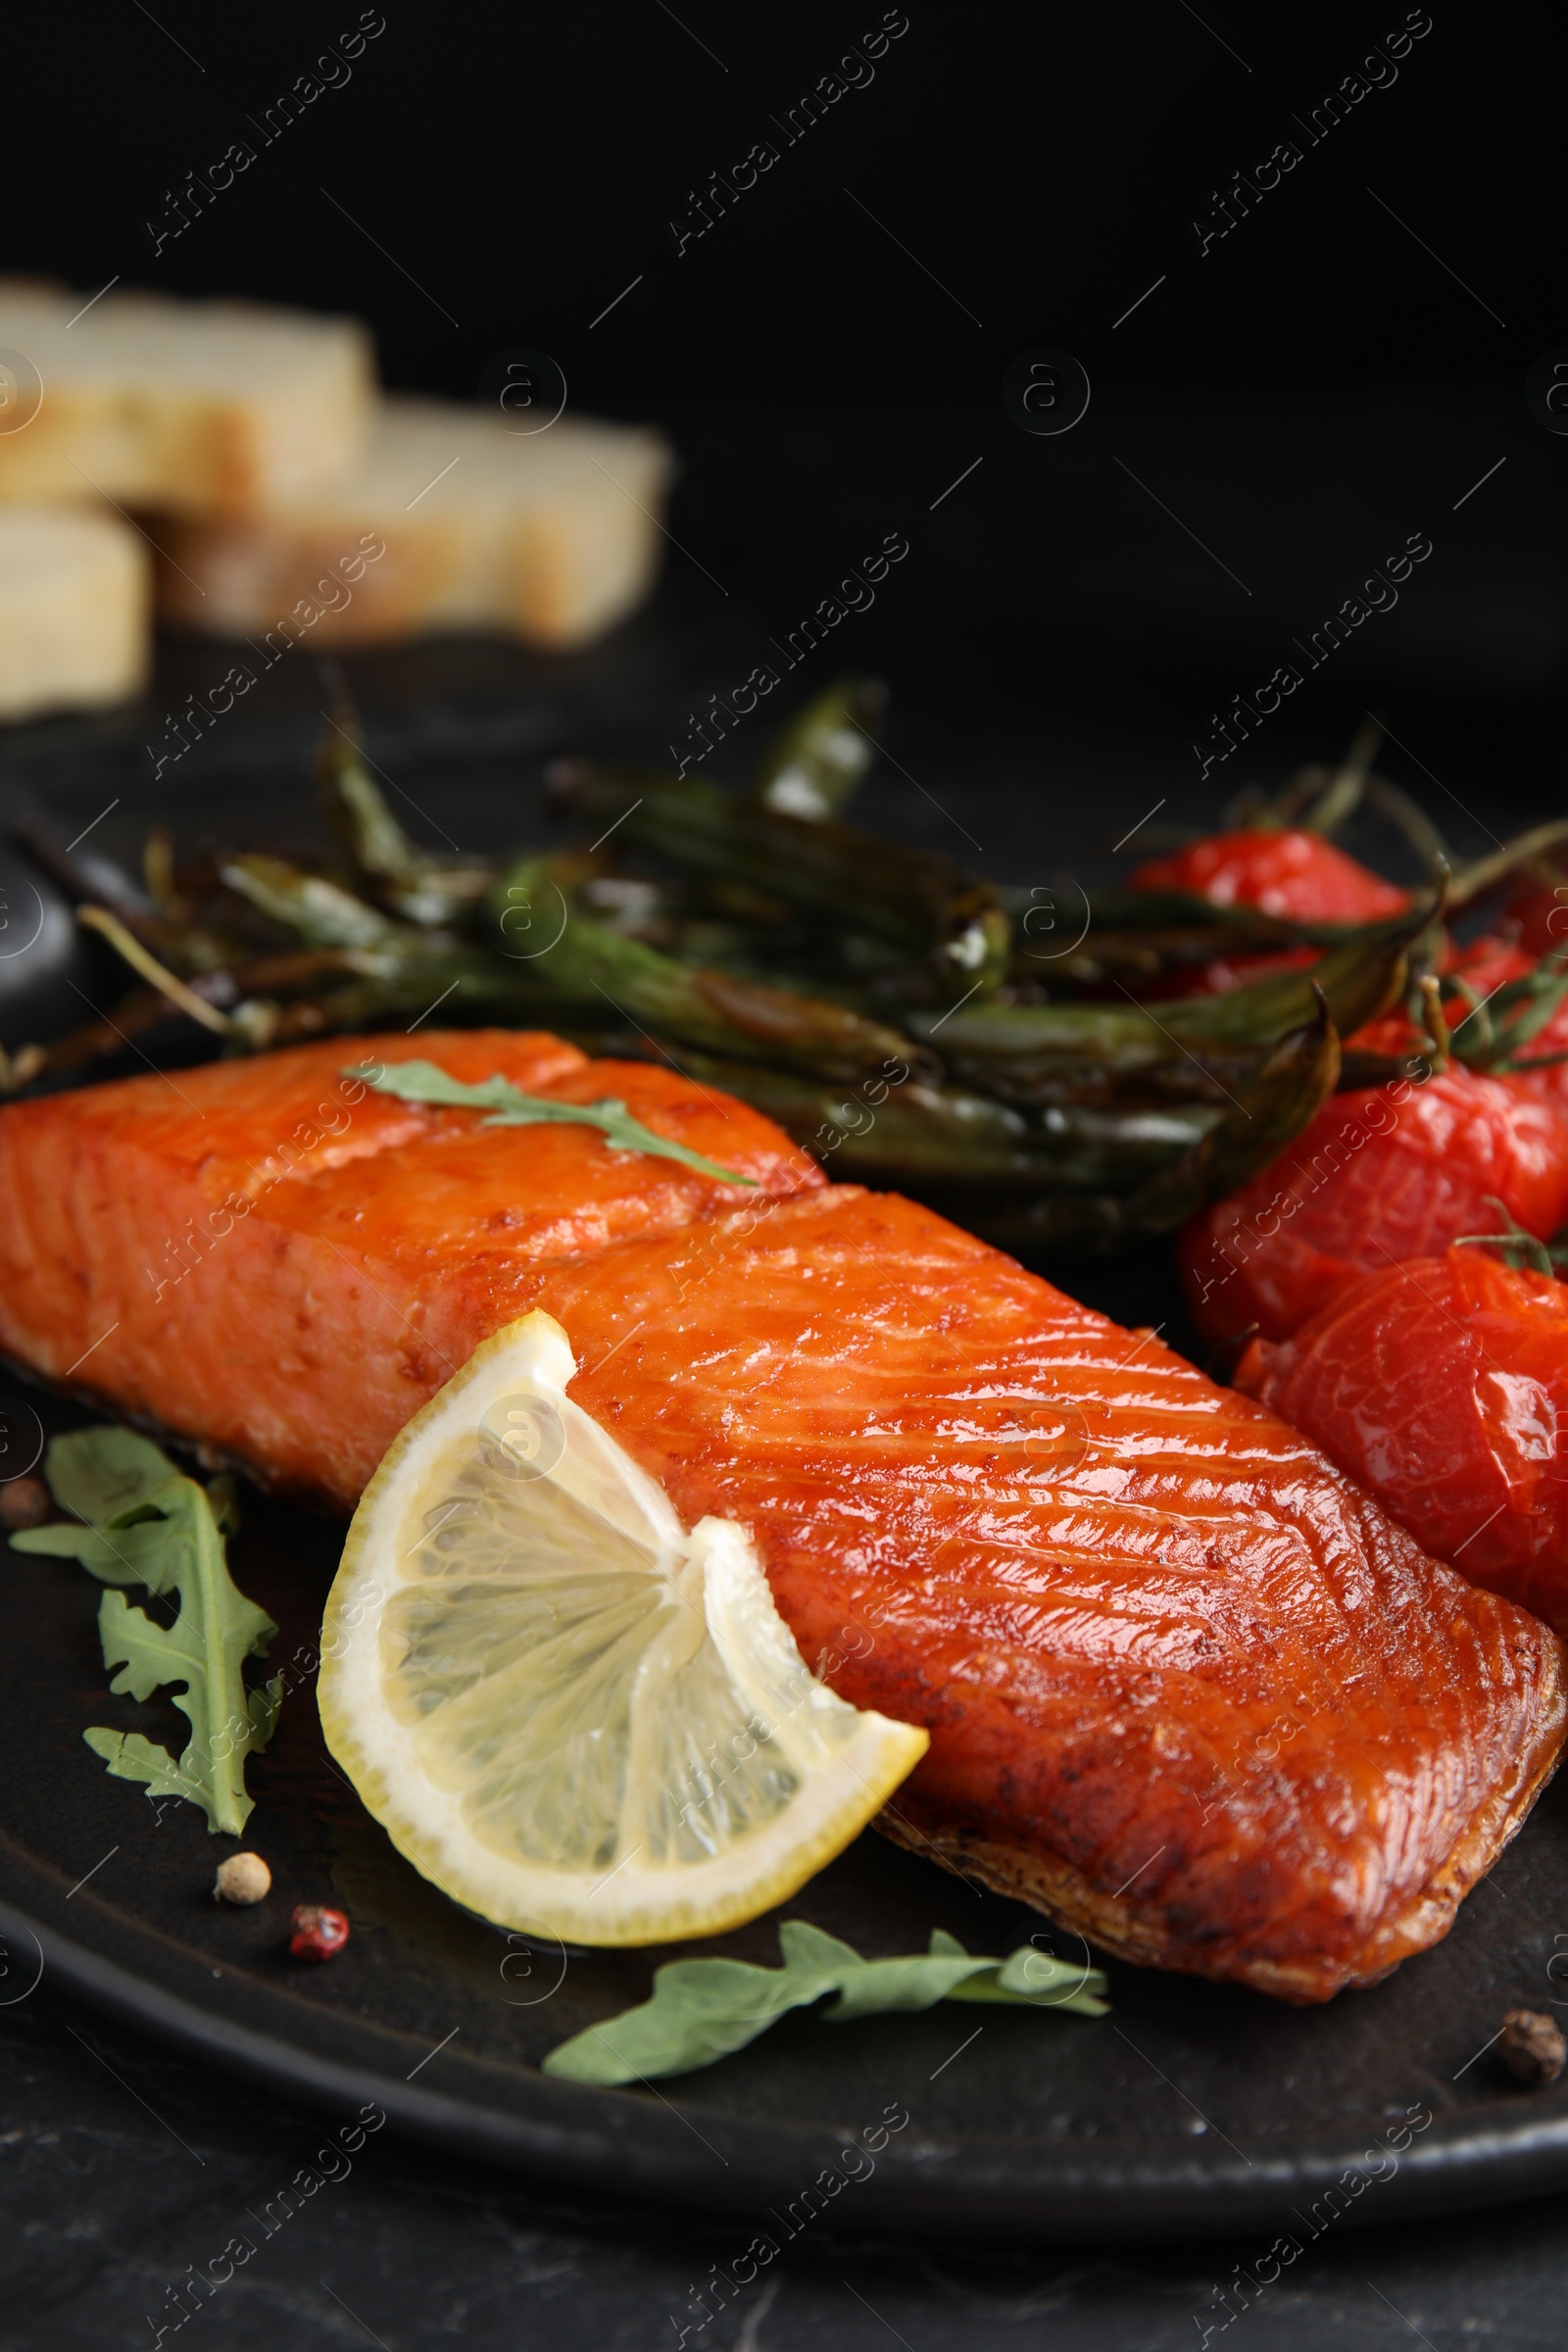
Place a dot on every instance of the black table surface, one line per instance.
(1044, 645)
(123, 2168)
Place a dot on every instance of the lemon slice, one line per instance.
(569, 1713)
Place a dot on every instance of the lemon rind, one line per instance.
(628, 1905)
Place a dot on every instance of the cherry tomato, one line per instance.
(1442, 1386)
(1379, 1175)
(1541, 910)
(1489, 962)
(1550, 1083)
(1287, 871)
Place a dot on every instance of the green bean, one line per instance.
(890, 1130)
(817, 758)
(1358, 979)
(397, 967)
(1136, 937)
(1014, 1048)
(356, 809)
(318, 912)
(724, 1013)
(1042, 1124)
(1135, 958)
(1285, 1086)
(923, 903)
(1160, 910)
(406, 969)
(403, 877)
(134, 1014)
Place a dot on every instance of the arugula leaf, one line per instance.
(131, 1757)
(509, 1107)
(95, 1474)
(702, 2009)
(146, 1524)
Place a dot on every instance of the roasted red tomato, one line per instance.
(1442, 1384)
(1489, 962)
(1547, 1081)
(1381, 1174)
(1541, 910)
(1285, 871)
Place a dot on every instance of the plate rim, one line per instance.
(614, 2146)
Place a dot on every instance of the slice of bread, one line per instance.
(75, 609)
(199, 408)
(550, 536)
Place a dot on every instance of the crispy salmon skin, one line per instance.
(1188, 1688)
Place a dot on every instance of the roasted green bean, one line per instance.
(402, 877)
(820, 755)
(1285, 1086)
(893, 1129)
(533, 923)
(1017, 1050)
(921, 903)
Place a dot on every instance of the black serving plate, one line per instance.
(1190, 2110)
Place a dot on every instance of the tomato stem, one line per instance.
(1519, 1247)
(1437, 1026)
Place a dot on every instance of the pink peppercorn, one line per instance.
(319, 1932)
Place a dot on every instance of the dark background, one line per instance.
(1266, 428)
(521, 167)
(1273, 421)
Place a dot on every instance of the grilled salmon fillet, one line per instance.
(272, 1259)
(1188, 1688)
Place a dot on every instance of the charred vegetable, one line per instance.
(897, 1014)
(818, 757)
(923, 905)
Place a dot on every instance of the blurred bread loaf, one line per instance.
(282, 493)
(75, 609)
(192, 408)
(548, 536)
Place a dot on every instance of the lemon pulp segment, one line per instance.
(569, 1713)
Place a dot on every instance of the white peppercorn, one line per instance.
(242, 1879)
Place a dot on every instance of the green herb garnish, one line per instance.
(702, 2009)
(146, 1524)
(509, 1107)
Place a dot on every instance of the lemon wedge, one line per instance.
(571, 1715)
